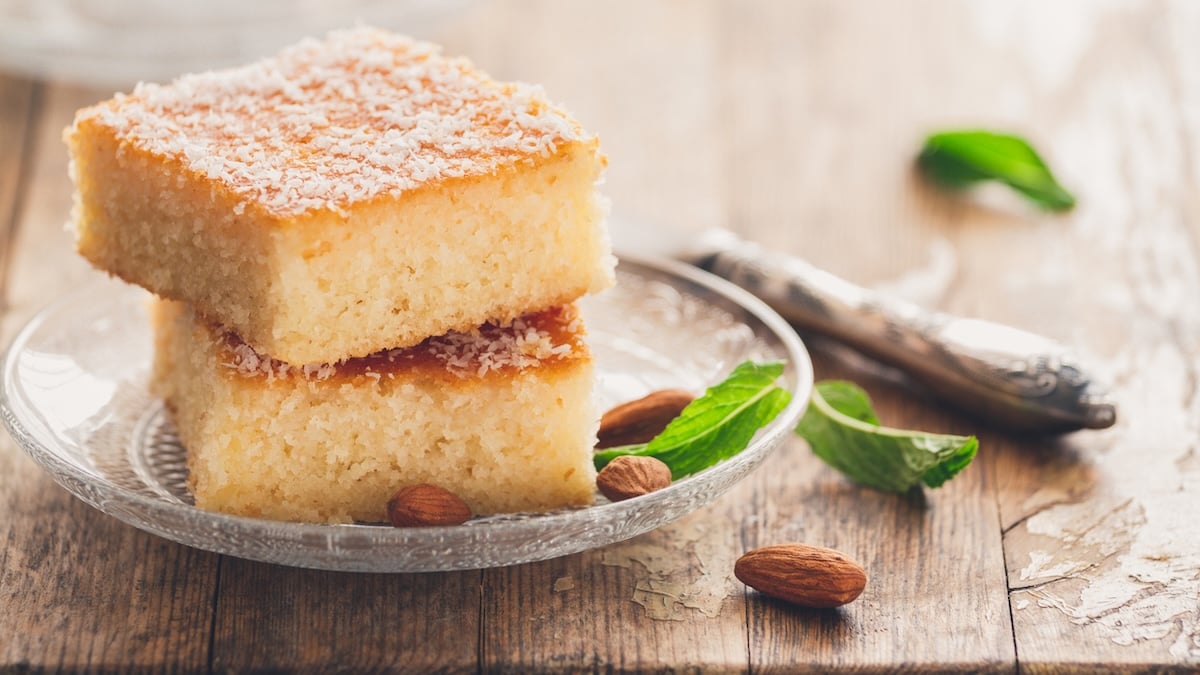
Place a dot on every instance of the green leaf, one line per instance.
(959, 159)
(717, 425)
(842, 430)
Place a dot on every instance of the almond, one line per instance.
(424, 505)
(809, 576)
(630, 476)
(641, 420)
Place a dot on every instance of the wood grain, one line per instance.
(1104, 573)
(933, 558)
(271, 618)
(664, 601)
(1102, 541)
(802, 125)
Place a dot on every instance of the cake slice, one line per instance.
(501, 416)
(347, 196)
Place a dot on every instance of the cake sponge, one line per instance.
(502, 416)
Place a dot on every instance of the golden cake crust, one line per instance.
(329, 124)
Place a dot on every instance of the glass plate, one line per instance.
(75, 397)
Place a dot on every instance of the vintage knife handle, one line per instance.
(1014, 378)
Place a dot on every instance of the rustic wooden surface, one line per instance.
(794, 123)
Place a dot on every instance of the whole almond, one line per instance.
(641, 420)
(630, 476)
(809, 576)
(425, 505)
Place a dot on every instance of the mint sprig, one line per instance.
(717, 425)
(842, 429)
(958, 159)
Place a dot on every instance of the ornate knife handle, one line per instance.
(1008, 376)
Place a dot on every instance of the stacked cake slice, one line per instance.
(368, 254)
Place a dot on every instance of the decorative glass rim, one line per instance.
(380, 548)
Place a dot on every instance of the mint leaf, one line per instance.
(716, 426)
(841, 428)
(959, 159)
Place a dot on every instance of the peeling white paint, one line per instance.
(1045, 565)
(668, 587)
(1135, 546)
(1121, 553)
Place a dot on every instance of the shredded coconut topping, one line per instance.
(526, 342)
(514, 345)
(326, 124)
(250, 363)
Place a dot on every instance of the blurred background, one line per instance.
(794, 121)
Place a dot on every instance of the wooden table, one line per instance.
(794, 123)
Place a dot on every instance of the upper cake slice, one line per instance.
(346, 196)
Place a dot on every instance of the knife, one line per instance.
(1007, 376)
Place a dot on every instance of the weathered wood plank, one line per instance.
(664, 601)
(80, 590)
(819, 138)
(1101, 534)
(935, 599)
(271, 618)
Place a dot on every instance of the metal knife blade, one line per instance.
(1011, 377)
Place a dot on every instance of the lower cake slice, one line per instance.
(502, 416)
